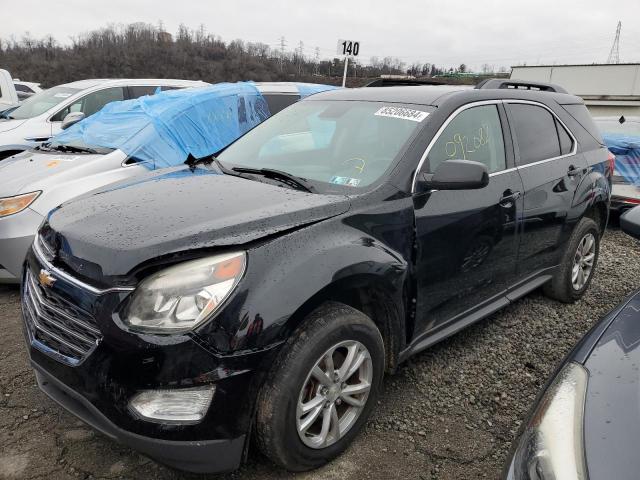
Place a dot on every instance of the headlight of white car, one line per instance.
(551, 446)
(183, 296)
(11, 205)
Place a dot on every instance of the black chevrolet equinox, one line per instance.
(261, 293)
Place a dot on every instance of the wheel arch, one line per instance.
(374, 297)
(598, 211)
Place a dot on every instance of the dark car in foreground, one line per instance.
(263, 292)
(586, 422)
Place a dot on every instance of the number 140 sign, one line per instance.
(349, 48)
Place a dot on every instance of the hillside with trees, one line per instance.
(146, 51)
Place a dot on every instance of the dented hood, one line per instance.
(110, 232)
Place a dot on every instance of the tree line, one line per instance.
(142, 50)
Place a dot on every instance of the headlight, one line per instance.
(551, 447)
(183, 296)
(11, 205)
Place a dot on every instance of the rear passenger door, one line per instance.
(551, 172)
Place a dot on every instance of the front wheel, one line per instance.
(578, 263)
(321, 389)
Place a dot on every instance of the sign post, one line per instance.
(347, 48)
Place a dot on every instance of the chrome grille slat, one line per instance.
(59, 312)
(55, 324)
(59, 326)
(39, 328)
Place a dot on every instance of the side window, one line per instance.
(91, 103)
(22, 88)
(136, 91)
(474, 134)
(566, 143)
(277, 102)
(536, 133)
(580, 113)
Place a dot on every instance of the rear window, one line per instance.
(277, 102)
(22, 88)
(136, 91)
(581, 115)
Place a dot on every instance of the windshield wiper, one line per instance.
(285, 177)
(73, 149)
(193, 161)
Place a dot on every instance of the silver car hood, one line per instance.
(61, 176)
(7, 125)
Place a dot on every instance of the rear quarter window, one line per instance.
(581, 115)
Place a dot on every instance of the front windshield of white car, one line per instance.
(41, 102)
(631, 126)
(335, 145)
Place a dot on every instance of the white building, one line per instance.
(608, 90)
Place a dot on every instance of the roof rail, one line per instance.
(402, 82)
(497, 83)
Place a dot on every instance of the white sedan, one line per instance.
(40, 116)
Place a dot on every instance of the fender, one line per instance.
(320, 262)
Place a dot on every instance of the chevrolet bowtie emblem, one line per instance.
(45, 278)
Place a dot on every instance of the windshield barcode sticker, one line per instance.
(402, 113)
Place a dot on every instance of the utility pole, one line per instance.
(283, 43)
(614, 54)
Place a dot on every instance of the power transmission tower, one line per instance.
(300, 53)
(317, 60)
(283, 43)
(614, 54)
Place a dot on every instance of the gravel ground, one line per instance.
(449, 413)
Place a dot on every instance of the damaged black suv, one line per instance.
(263, 292)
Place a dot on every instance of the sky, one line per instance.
(447, 33)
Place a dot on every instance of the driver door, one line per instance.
(467, 242)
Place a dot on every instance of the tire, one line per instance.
(562, 287)
(290, 381)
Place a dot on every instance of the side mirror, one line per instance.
(71, 119)
(456, 175)
(630, 222)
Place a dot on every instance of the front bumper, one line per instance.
(16, 236)
(98, 384)
(194, 456)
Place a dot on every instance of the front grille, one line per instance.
(55, 325)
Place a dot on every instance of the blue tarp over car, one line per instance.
(161, 130)
(626, 148)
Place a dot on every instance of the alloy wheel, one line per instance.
(583, 261)
(334, 394)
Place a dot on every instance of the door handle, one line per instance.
(508, 197)
(573, 171)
